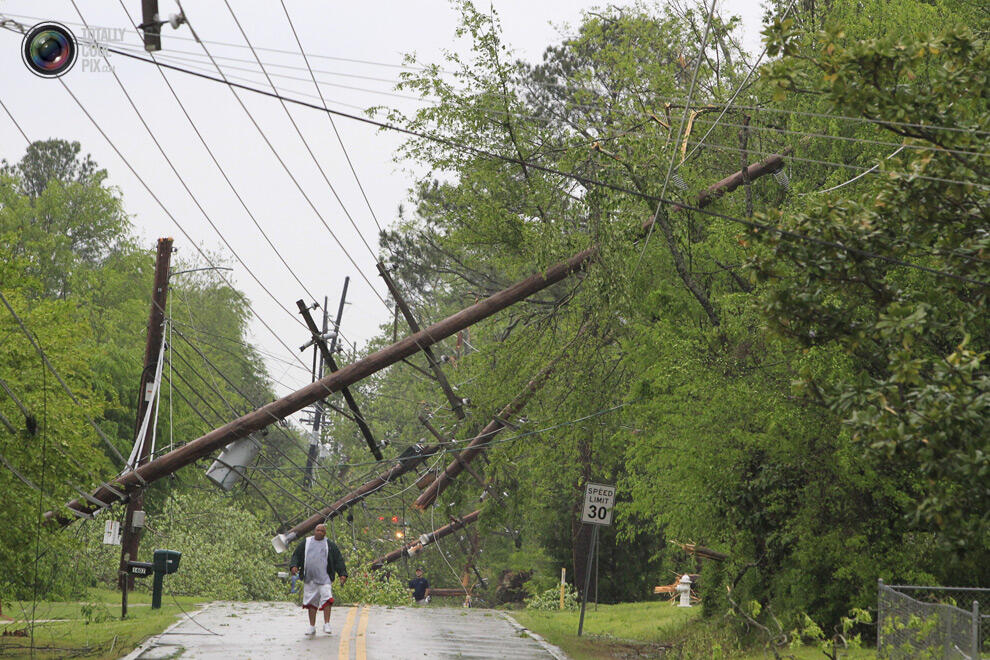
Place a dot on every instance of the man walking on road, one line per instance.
(319, 560)
(421, 587)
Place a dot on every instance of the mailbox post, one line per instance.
(164, 562)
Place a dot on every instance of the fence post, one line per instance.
(975, 654)
(879, 615)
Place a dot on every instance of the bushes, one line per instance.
(550, 599)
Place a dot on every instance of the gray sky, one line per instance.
(374, 31)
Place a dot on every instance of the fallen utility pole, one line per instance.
(276, 410)
(413, 547)
(446, 442)
(456, 403)
(769, 165)
(147, 404)
(404, 463)
(348, 397)
(477, 445)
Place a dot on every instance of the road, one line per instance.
(239, 631)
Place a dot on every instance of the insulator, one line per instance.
(780, 176)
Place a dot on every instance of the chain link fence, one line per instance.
(933, 622)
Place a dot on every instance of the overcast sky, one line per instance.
(332, 33)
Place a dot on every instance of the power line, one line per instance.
(739, 88)
(186, 187)
(226, 178)
(577, 177)
(538, 119)
(409, 67)
(316, 161)
(165, 209)
(278, 157)
(847, 138)
(333, 124)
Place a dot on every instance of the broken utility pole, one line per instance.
(254, 421)
(413, 547)
(147, 402)
(404, 463)
(348, 397)
(456, 403)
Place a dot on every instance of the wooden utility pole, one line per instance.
(352, 373)
(348, 397)
(151, 25)
(456, 403)
(131, 535)
(318, 363)
(413, 547)
(769, 165)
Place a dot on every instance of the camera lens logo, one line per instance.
(49, 50)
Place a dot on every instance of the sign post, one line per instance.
(599, 500)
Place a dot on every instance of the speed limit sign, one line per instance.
(598, 502)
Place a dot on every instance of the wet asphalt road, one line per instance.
(275, 630)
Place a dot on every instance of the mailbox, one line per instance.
(140, 568)
(167, 561)
(164, 562)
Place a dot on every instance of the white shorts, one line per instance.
(317, 596)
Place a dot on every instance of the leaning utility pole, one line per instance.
(456, 403)
(413, 547)
(404, 463)
(331, 364)
(314, 441)
(131, 534)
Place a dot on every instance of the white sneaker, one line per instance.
(326, 628)
(311, 630)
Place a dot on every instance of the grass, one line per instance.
(90, 628)
(638, 630)
(613, 631)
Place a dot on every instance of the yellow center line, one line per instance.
(344, 651)
(361, 650)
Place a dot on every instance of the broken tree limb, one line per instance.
(413, 547)
(404, 463)
(332, 365)
(701, 551)
(455, 401)
(310, 394)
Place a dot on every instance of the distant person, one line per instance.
(420, 587)
(319, 560)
